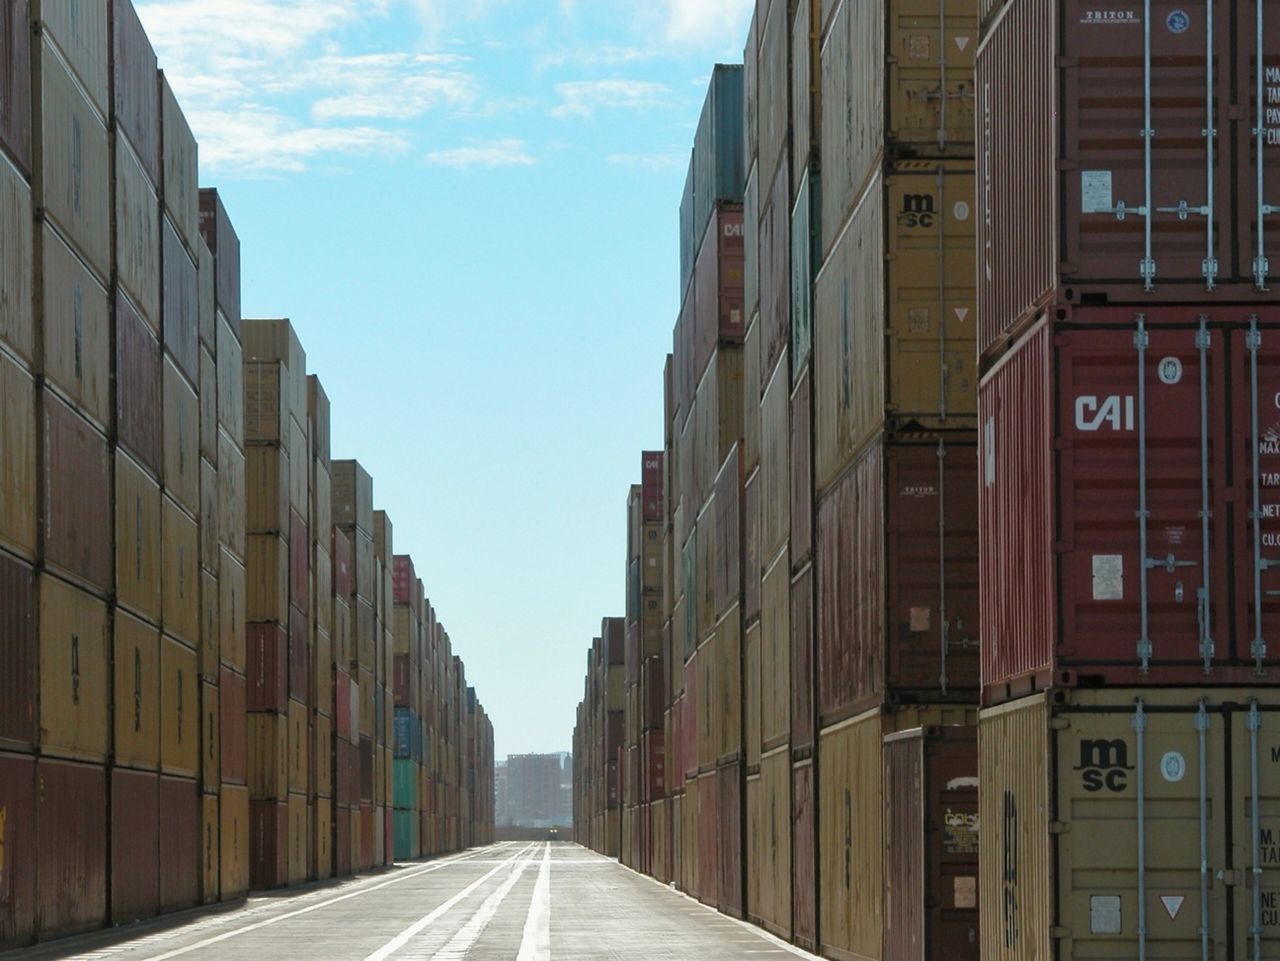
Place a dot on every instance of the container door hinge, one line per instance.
(1230, 877)
(1059, 933)
(1059, 827)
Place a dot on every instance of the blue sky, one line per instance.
(469, 212)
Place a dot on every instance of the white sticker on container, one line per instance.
(1170, 370)
(1104, 914)
(1095, 192)
(1173, 767)
(1108, 577)
(989, 452)
(961, 210)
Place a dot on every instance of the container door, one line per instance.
(1140, 473)
(1255, 414)
(1258, 150)
(1254, 868)
(1145, 183)
(1141, 801)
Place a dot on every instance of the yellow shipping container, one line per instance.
(267, 569)
(181, 439)
(268, 757)
(137, 236)
(18, 512)
(17, 263)
(138, 539)
(181, 580)
(210, 738)
(231, 495)
(232, 610)
(137, 692)
(299, 749)
(179, 709)
(210, 626)
(75, 316)
(774, 844)
(266, 483)
(894, 316)
(322, 838)
(299, 838)
(73, 672)
(210, 848)
(233, 865)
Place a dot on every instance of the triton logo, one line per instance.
(1096, 413)
(1104, 764)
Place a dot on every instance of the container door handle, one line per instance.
(1140, 729)
(1203, 342)
(1202, 731)
(1258, 647)
(1261, 134)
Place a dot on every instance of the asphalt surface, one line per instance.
(508, 902)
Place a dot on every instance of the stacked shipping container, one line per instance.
(1125, 344)
(130, 673)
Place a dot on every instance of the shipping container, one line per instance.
(73, 672)
(179, 709)
(233, 721)
(220, 235)
(137, 233)
(19, 655)
(299, 838)
(137, 693)
(15, 83)
(717, 289)
(769, 871)
(75, 318)
(73, 161)
(268, 843)
(775, 653)
(774, 266)
(804, 853)
(180, 585)
(897, 600)
(233, 600)
(136, 107)
(79, 31)
(210, 626)
(180, 304)
(179, 824)
(71, 824)
(77, 496)
(233, 861)
(773, 26)
(139, 390)
(17, 261)
(18, 881)
(896, 352)
(210, 849)
(931, 844)
(179, 184)
(268, 740)
(231, 383)
(1135, 455)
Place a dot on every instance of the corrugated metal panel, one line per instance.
(802, 658)
(180, 304)
(75, 318)
(268, 757)
(322, 838)
(266, 482)
(179, 709)
(267, 652)
(718, 169)
(18, 655)
(804, 121)
(137, 235)
(727, 576)
(804, 268)
(73, 672)
(800, 490)
(136, 110)
(138, 386)
(322, 754)
(299, 838)
(18, 880)
(79, 31)
(299, 748)
(707, 792)
(774, 77)
(77, 506)
(210, 737)
(137, 686)
(233, 839)
(180, 173)
(751, 246)
(207, 280)
(208, 390)
(231, 384)
(726, 686)
(729, 881)
(269, 844)
(180, 583)
(774, 479)
(15, 82)
(18, 448)
(71, 822)
(181, 440)
(718, 285)
(135, 845)
(210, 626)
(210, 850)
(17, 259)
(775, 843)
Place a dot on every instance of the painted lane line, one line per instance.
(403, 938)
(535, 945)
(462, 942)
(448, 862)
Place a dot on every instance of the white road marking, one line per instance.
(462, 942)
(448, 862)
(535, 945)
(403, 938)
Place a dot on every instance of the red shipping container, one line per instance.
(366, 836)
(1066, 204)
(689, 720)
(404, 579)
(342, 703)
(15, 88)
(233, 727)
(77, 524)
(804, 863)
(718, 291)
(342, 577)
(654, 690)
(18, 877)
(138, 386)
(1067, 597)
(135, 845)
(299, 656)
(653, 485)
(19, 653)
(71, 830)
(897, 597)
(268, 844)
(180, 831)
(267, 651)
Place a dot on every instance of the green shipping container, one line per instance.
(407, 836)
(404, 788)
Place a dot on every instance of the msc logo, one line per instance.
(917, 210)
(1104, 764)
(1110, 413)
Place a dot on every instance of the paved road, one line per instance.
(507, 902)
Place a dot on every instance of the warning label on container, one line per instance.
(1095, 192)
(1108, 577)
(1104, 914)
(966, 892)
(1172, 904)
(960, 832)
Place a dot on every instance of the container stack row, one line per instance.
(1127, 344)
(167, 595)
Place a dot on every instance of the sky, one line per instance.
(469, 211)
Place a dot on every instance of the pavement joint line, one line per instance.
(535, 942)
(226, 935)
(403, 938)
(460, 945)
(759, 932)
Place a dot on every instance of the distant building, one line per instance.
(501, 796)
(529, 791)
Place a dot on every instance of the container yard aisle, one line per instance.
(514, 900)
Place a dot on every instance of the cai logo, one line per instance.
(1178, 21)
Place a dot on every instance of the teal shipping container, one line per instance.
(408, 838)
(404, 785)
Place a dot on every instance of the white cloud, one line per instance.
(484, 154)
(599, 55)
(707, 23)
(582, 98)
(653, 161)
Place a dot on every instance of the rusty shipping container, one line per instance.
(137, 685)
(19, 655)
(135, 845)
(71, 832)
(1127, 821)
(1092, 193)
(18, 460)
(75, 318)
(717, 285)
(897, 573)
(18, 882)
(931, 844)
(139, 388)
(894, 315)
(17, 265)
(1139, 472)
(136, 106)
(73, 672)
